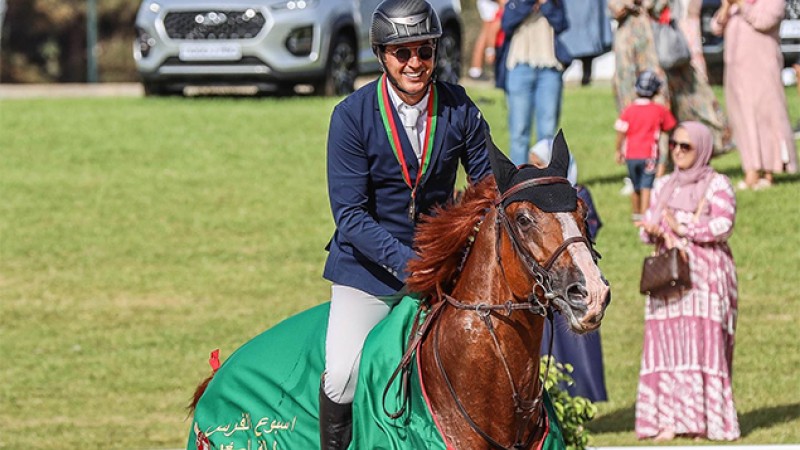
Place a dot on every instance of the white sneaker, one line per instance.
(627, 189)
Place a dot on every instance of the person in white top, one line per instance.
(529, 68)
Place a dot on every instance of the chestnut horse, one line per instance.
(479, 349)
(490, 269)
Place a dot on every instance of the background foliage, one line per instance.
(573, 412)
(45, 41)
(138, 234)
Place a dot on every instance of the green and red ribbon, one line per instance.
(390, 125)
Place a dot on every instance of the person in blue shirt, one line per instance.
(394, 147)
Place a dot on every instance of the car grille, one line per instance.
(217, 24)
(792, 10)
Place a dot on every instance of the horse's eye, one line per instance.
(524, 221)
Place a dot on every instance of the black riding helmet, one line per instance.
(400, 21)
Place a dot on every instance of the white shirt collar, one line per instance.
(421, 123)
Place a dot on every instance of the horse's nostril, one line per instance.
(576, 291)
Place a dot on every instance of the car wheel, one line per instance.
(152, 89)
(157, 89)
(448, 66)
(340, 74)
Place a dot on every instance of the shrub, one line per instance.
(572, 412)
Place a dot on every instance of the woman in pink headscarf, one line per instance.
(685, 378)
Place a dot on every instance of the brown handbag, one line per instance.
(665, 272)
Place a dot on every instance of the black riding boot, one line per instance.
(335, 423)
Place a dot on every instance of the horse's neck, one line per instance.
(481, 278)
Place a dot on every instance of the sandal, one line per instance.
(762, 184)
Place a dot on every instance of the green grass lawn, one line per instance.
(136, 235)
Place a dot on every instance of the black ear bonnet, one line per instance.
(555, 197)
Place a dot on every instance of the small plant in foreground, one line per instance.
(572, 412)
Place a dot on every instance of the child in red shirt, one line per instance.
(638, 130)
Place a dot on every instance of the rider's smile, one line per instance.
(413, 74)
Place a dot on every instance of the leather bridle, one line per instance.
(541, 273)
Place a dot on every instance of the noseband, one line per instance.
(524, 408)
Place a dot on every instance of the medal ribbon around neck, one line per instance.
(394, 138)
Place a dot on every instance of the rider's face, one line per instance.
(411, 65)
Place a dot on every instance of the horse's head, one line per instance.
(543, 242)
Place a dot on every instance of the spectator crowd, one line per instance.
(669, 127)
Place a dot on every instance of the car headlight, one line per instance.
(294, 5)
(154, 7)
(144, 42)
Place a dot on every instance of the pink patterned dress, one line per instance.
(686, 374)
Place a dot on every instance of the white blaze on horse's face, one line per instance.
(596, 287)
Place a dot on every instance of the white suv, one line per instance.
(271, 44)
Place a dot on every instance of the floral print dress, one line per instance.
(693, 99)
(686, 91)
(634, 50)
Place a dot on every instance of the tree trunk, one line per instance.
(2, 17)
(73, 55)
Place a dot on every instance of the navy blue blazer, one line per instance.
(514, 13)
(368, 195)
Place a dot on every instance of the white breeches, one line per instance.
(353, 315)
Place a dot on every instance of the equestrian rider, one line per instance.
(393, 152)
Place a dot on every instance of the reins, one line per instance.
(524, 409)
(418, 332)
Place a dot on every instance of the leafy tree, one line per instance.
(45, 40)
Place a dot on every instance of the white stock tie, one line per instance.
(409, 118)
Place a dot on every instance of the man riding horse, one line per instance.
(393, 152)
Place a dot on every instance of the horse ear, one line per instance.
(503, 169)
(560, 159)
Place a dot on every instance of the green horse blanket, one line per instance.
(265, 395)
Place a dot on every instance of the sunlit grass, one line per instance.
(138, 234)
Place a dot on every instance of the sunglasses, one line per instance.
(685, 146)
(403, 54)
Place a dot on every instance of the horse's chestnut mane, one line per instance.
(441, 236)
